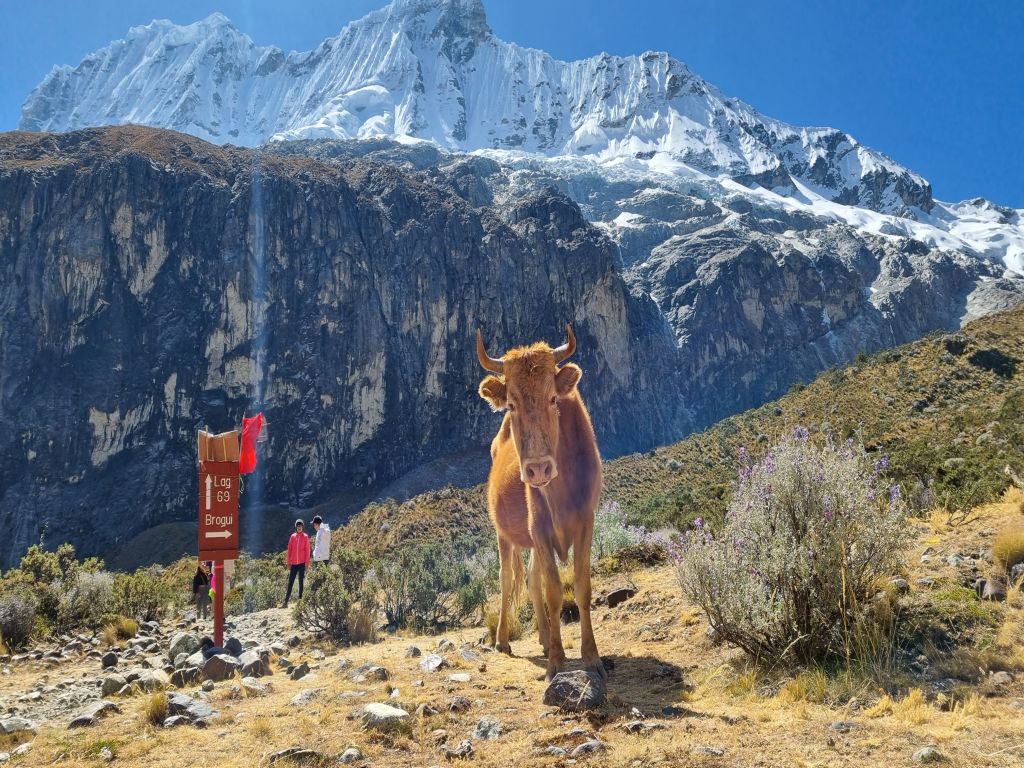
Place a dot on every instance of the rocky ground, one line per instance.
(674, 696)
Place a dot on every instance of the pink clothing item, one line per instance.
(298, 549)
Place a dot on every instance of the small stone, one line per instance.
(195, 709)
(459, 704)
(900, 584)
(183, 642)
(432, 662)
(233, 646)
(461, 752)
(425, 710)
(488, 728)
(350, 755)
(299, 672)
(297, 756)
(112, 684)
(175, 721)
(303, 698)
(576, 691)
(619, 595)
(106, 755)
(221, 666)
(459, 677)
(927, 755)
(109, 659)
(208, 686)
(643, 727)
(444, 644)
(556, 751)
(16, 726)
(1000, 679)
(588, 748)
(716, 751)
(994, 590)
(412, 652)
(294, 641)
(843, 726)
(369, 672)
(382, 717)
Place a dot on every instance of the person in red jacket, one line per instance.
(298, 559)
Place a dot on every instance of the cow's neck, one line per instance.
(577, 460)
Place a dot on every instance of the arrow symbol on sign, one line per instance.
(218, 534)
(209, 495)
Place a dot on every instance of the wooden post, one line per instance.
(218, 605)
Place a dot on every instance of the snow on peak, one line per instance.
(434, 70)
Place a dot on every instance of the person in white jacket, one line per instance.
(322, 542)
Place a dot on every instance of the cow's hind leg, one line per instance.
(536, 584)
(581, 588)
(506, 553)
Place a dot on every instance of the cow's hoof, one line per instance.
(597, 667)
(503, 648)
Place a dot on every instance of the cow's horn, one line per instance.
(494, 365)
(565, 351)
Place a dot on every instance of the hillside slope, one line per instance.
(947, 410)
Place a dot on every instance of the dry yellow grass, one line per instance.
(1008, 547)
(662, 658)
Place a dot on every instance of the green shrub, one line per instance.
(806, 538)
(434, 585)
(326, 605)
(85, 601)
(140, 595)
(258, 585)
(17, 618)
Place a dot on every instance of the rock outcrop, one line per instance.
(152, 284)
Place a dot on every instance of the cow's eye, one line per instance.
(554, 399)
(511, 406)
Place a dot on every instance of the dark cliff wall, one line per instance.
(151, 284)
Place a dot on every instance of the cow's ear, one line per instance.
(492, 389)
(567, 378)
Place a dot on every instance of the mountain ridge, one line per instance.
(434, 70)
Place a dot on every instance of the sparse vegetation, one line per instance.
(17, 619)
(154, 708)
(1008, 547)
(140, 595)
(790, 573)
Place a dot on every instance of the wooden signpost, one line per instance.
(219, 486)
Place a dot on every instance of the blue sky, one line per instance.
(938, 85)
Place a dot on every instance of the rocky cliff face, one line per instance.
(151, 284)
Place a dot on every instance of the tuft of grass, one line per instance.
(811, 685)
(744, 683)
(154, 709)
(4, 650)
(1008, 547)
(361, 627)
(881, 708)
(121, 628)
(94, 748)
(913, 708)
(515, 625)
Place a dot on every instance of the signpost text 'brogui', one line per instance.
(218, 510)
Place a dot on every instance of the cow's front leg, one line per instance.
(544, 551)
(506, 552)
(581, 587)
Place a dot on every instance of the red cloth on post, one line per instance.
(251, 429)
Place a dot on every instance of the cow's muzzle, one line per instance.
(538, 472)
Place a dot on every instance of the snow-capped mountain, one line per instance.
(434, 70)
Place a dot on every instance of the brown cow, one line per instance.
(543, 488)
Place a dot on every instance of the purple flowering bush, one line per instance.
(809, 531)
(613, 532)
